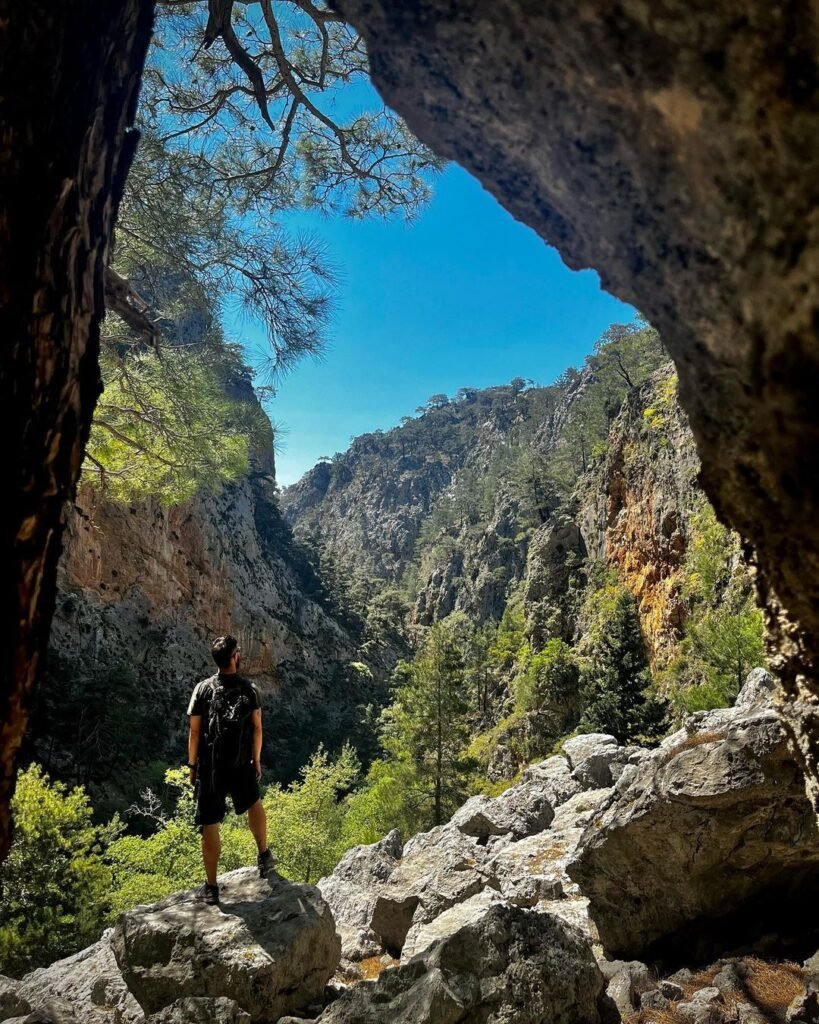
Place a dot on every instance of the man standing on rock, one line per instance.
(224, 758)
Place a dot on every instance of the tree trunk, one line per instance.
(69, 79)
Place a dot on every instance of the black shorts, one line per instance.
(212, 792)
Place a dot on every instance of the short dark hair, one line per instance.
(222, 649)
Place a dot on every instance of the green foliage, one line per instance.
(305, 820)
(615, 682)
(164, 426)
(55, 882)
(624, 357)
(392, 796)
(233, 134)
(428, 724)
(509, 644)
(549, 684)
(724, 632)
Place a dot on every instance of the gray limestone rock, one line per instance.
(590, 757)
(12, 1003)
(520, 811)
(352, 889)
(509, 965)
(271, 946)
(439, 869)
(714, 821)
(90, 982)
(201, 1010)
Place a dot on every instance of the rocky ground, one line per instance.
(671, 886)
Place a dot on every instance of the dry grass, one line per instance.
(670, 1016)
(696, 739)
(372, 967)
(773, 987)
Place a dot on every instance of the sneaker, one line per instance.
(208, 894)
(266, 862)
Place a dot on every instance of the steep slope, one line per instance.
(368, 504)
(143, 588)
(634, 506)
(517, 488)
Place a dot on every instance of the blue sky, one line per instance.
(464, 296)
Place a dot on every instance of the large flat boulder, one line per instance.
(90, 982)
(506, 965)
(352, 889)
(271, 946)
(707, 841)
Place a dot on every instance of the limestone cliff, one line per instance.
(142, 590)
(466, 508)
(636, 503)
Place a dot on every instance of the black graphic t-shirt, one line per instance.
(237, 688)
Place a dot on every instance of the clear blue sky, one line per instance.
(464, 296)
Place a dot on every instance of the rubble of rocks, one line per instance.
(567, 898)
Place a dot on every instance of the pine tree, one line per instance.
(428, 725)
(616, 681)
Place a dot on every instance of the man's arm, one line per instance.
(194, 732)
(256, 718)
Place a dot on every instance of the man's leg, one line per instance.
(211, 848)
(257, 821)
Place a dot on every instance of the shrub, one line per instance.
(55, 881)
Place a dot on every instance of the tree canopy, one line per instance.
(248, 112)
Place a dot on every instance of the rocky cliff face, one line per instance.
(490, 520)
(369, 504)
(144, 588)
(634, 507)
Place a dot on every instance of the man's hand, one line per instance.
(192, 769)
(258, 766)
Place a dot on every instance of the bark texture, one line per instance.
(69, 79)
(674, 147)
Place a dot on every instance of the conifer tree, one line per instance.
(428, 725)
(617, 678)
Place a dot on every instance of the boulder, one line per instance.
(520, 811)
(270, 946)
(627, 981)
(421, 936)
(89, 982)
(757, 691)
(12, 1003)
(53, 1011)
(201, 1010)
(352, 889)
(590, 757)
(708, 839)
(554, 776)
(509, 964)
(439, 869)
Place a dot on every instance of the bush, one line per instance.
(55, 882)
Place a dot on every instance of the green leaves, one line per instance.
(724, 633)
(165, 426)
(55, 880)
(616, 688)
(428, 724)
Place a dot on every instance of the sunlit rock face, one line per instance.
(675, 150)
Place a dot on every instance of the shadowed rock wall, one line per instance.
(675, 148)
